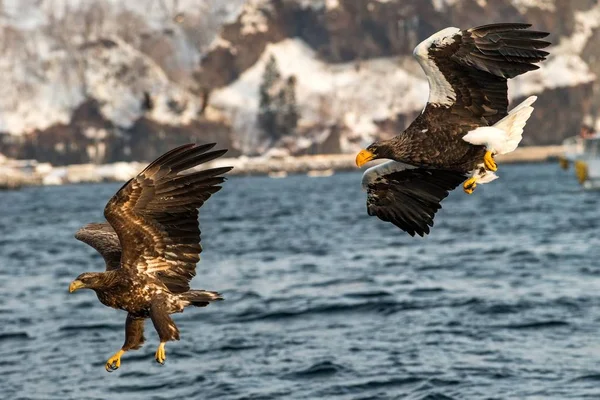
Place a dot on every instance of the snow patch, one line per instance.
(253, 17)
(331, 4)
(31, 14)
(35, 101)
(524, 5)
(222, 43)
(441, 5)
(559, 71)
(119, 77)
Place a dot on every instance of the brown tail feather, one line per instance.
(200, 298)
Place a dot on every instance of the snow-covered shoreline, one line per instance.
(21, 174)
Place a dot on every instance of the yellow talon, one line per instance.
(160, 355)
(488, 161)
(469, 185)
(114, 362)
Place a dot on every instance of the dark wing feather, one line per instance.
(155, 214)
(409, 198)
(103, 238)
(477, 64)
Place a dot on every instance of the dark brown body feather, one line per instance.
(441, 146)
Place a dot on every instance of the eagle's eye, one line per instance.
(372, 149)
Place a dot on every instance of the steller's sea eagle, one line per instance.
(151, 245)
(464, 124)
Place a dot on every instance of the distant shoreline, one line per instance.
(313, 165)
(346, 162)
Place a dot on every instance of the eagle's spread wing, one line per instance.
(103, 238)
(468, 70)
(155, 214)
(408, 196)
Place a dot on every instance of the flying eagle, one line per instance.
(464, 124)
(151, 245)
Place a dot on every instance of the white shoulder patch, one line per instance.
(386, 168)
(440, 90)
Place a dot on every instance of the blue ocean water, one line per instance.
(501, 301)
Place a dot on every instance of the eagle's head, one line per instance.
(379, 149)
(87, 280)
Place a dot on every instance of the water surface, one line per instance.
(501, 301)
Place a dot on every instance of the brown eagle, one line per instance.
(151, 245)
(464, 124)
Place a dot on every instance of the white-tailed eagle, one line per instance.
(151, 245)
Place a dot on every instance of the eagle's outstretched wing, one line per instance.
(102, 237)
(468, 70)
(408, 196)
(155, 214)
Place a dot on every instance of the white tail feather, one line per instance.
(506, 134)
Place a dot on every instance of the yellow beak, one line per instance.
(75, 285)
(364, 157)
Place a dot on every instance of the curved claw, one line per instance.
(114, 362)
(160, 355)
(488, 161)
(469, 185)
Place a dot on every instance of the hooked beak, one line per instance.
(75, 285)
(364, 157)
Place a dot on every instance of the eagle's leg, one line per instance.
(134, 338)
(469, 185)
(164, 325)
(488, 161)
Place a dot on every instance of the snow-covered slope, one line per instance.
(115, 74)
(359, 94)
(58, 53)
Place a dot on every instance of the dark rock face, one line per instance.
(558, 114)
(60, 143)
(91, 138)
(147, 139)
(223, 65)
(359, 29)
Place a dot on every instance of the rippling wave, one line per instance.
(501, 301)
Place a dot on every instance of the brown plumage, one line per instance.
(467, 72)
(151, 245)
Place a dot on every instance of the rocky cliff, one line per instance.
(102, 82)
